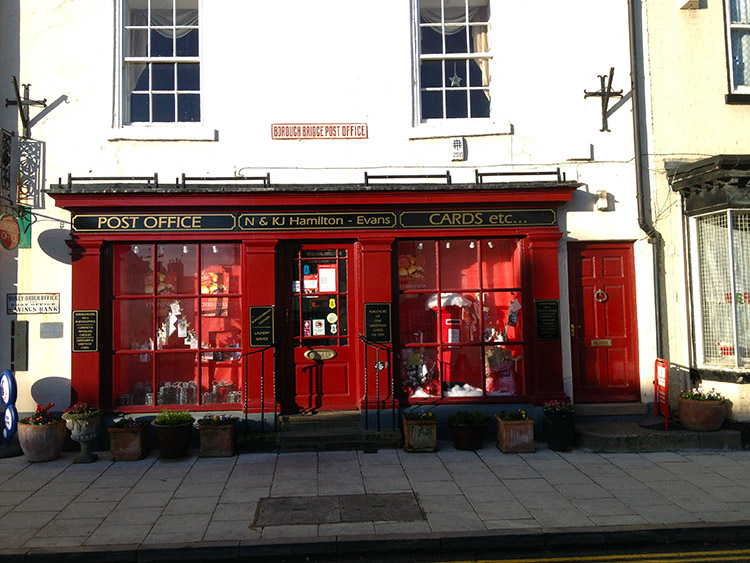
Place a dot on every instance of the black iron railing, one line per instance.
(262, 352)
(383, 365)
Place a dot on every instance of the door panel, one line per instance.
(318, 375)
(603, 322)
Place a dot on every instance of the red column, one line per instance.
(544, 377)
(259, 290)
(88, 384)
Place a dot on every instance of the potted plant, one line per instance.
(173, 430)
(468, 428)
(558, 425)
(128, 439)
(42, 435)
(217, 435)
(701, 411)
(420, 431)
(515, 432)
(83, 421)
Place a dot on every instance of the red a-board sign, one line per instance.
(661, 398)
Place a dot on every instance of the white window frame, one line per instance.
(123, 130)
(730, 27)
(445, 127)
(702, 341)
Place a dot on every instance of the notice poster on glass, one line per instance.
(327, 276)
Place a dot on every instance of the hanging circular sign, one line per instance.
(7, 387)
(10, 423)
(10, 232)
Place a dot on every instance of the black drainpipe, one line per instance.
(641, 171)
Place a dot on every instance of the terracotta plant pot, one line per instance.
(515, 436)
(701, 416)
(128, 444)
(173, 440)
(217, 440)
(42, 442)
(559, 430)
(467, 436)
(420, 435)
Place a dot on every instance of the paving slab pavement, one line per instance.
(265, 504)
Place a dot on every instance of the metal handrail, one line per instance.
(391, 384)
(262, 388)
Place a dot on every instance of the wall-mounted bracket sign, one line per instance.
(262, 326)
(334, 221)
(32, 303)
(317, 131)
(10, 232)
(547, 312)
(378, 322)
(86, 331)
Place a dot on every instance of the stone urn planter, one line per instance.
(420, 432)
(42, 435)
(173, 431)
(468, 429)
(515, 432)
(558, 424)
(128, 440)
(83, 423)
(217, 435)
(701, 415)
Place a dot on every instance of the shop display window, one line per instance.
(176, 324)
(460, 317)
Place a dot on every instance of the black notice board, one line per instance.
(547, 313)
(85, 331)
(378, 322)
(262, 326)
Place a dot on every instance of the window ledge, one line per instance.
(737, 99)
(461, 128)
(165, 133)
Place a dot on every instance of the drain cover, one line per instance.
(278, 511)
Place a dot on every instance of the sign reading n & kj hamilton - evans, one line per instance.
(32, 303)
(86, 331)
(365, 220)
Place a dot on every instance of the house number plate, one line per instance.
(320, 354)
(603, 342)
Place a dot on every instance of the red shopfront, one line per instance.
(176, 292)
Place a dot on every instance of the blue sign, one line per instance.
(8, 392)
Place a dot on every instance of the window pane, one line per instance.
(503, 370)
(162, 76)
(132, 325)
(455, 74)
(432, 74)
(420, 373)
(456, 39)
(221, 379)
(139, 73)
(480, 104)
(139, 108)
(224, 260)
(188, 76)
(163, 107)
(137, 42)
(134, 267)
(161, 44)
(462, 371)
(716, 290)
(187, 45)
(133, 379)
(432, 105)
(741, 249)
(176, 324)
(417, 321)
(220, 323)
(740, 11)
(458, 316)
(741, 56)
(177, 379)
(178, 268)
(456, 104)
(161, 12)
(417, 265)
(459, 264)
(502, 316)
(432, 41)
(189, 107)
(501, 263)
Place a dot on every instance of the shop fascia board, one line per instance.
(382, 195)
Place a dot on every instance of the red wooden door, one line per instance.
(604, 347)
(319, 373)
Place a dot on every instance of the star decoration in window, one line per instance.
(455, 79)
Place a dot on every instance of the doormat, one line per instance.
(392, 507)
